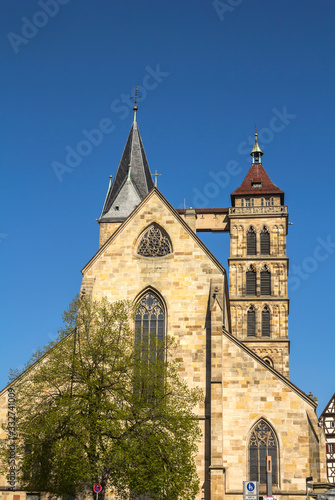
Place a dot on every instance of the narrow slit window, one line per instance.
(251, 322)
(266, 322)
(265, 281)
(251, 281)
(265, 241)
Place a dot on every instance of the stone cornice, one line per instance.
(250, 258)
(252, 211)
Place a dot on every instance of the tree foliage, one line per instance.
(97, 408)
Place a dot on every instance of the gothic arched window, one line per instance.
(251, 281)
(251, 242)
(150, 327)
(265, 281)
(266, 322)
(154, 243)
(262, 443)
(251, 322)
(265, 241)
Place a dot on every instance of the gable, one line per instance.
(156, 209)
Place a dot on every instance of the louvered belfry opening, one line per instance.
(251, 322)
(266, 322)
(251, 242)
(265, 281)
(265, 241)
(251, 281)
(262, 444)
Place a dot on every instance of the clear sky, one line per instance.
(207, 72)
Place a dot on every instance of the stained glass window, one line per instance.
(149, 342)
(149, 326)
(262, 444)
(154, 243)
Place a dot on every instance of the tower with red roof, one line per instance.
(258, 266)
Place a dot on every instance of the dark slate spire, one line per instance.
(132, 181)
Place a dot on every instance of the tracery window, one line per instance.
(251, 242)
(154, 243)
(262, 444)
(150, 347)
(150, 327)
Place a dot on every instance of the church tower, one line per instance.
(131, 184)
(258, 266)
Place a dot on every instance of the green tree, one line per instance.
(96, 408)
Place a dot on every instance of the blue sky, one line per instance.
(207, 73)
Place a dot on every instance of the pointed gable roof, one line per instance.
(330, 407)
(129, 186)
(256, 182)
(158, 194)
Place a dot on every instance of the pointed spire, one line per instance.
(132, 181)
(256, 152)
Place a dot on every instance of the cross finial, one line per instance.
(135, 108)
(156, 175)
(256, 130)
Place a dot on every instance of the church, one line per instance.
(232, 334)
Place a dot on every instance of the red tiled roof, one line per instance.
(258, 175)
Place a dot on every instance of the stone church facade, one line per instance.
(232, 336)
